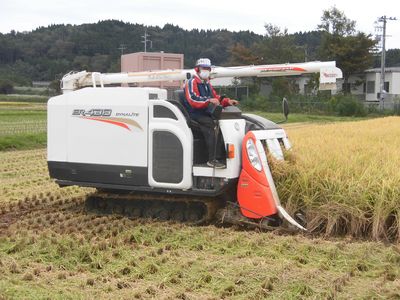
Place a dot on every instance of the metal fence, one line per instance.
(391, 107)
(314, 107)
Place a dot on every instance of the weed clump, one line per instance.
(90, 281)
(122, 285)
(14, 268)
(152, 269)
(125, 271)
(62, 276)
(27, 277)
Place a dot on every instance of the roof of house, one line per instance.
(387, 70)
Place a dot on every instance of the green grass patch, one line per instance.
(18, 115)
(23, 141)
(19, 124)
(302, 118)
(23, 98)
(28, 90)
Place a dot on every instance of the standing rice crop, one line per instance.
(345, 177)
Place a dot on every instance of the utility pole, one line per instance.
(122, 47)
(145, 40)
(382, 91)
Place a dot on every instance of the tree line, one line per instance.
(48, 52)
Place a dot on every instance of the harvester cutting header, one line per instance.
(147, 157)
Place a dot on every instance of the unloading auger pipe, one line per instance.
(328, 74)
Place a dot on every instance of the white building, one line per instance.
(366, 86)
(392, 83)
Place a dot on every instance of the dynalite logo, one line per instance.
(105, 116)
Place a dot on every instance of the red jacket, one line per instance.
(198, 94)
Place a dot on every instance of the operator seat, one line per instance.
(199, 144)
(180, 96)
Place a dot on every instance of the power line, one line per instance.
(146, 40)
(382, 91)
(122, 47)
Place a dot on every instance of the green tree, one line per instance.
(284, 87)
(278, 47)
(55, 86)
(351, 50)
(392, 58)
(6, 86)
(45, 52)
(241, 55)
(335, 22)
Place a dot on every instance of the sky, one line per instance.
(23, 15)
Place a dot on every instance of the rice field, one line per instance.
(12, 128)
(345, 177)
(342, 175)
(51, 248)
(22, 125)
(18, 118)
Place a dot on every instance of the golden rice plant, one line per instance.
(345, 177)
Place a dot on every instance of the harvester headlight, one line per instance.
(252, 154)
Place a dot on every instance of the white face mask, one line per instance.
(204, 74)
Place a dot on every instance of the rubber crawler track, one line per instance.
(191, 210)
(138, 205)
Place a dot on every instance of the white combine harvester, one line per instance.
(146, 157)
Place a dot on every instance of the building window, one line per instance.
(386, 86)
(370, 87)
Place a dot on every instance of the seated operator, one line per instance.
(199, 94)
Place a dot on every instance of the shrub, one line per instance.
(6, 86)
(347, 105)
